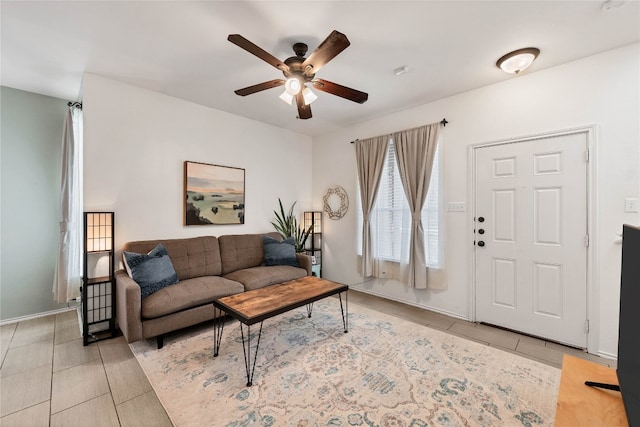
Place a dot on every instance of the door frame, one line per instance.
(593, 288)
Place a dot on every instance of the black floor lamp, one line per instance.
(98, 293)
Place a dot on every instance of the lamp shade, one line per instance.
(308, 96)
(293, 86)
(313, 219)
(518, 60)
(99, 231)
(286, 97)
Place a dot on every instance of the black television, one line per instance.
(629, 327)
(628, 370)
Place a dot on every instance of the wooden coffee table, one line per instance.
(260, 304)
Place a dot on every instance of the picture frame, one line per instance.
(213, 194)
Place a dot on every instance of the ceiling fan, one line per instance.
(299, 70)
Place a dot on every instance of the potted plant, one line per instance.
(287, 225)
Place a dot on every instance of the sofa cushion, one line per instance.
(259, 277)
(152, 271)
(239, 251)
(191, 257)
(187, 294)
(280, 253)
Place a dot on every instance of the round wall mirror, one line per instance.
(336, 202)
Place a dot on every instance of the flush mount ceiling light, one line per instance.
(518, 60)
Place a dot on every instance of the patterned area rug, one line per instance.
(385, 372)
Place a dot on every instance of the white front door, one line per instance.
(531, 236)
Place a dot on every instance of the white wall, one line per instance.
(136, 142)
(31, 163)
(601, 90)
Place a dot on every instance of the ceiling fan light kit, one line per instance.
(299, 70)
(308, 96)
(287, 97)
(518, 60)
(292, 86)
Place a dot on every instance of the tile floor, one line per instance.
(48, 378)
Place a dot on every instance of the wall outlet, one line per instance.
(455, 207)
(631, 205)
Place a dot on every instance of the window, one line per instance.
(391, 217)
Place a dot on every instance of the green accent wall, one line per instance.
(30, 156)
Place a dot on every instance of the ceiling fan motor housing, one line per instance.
(295, 65)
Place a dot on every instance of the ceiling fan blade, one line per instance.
(341, 91)
(245, 44)
(259, 87)
(304, 111)
(331, 46)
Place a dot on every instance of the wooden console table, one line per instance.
(581, 405)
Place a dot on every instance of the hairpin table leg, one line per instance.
(246, 348)
(344, 310)
(218, 327)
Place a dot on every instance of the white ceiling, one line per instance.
(180, 48)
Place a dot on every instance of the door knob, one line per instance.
(481, 219)
(481, 243)
(481, 231)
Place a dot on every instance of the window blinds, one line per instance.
(391, 217)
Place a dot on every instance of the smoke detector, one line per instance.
(610, 5)
(401, 70)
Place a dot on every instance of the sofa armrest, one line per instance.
(304, 261)
(128, 306)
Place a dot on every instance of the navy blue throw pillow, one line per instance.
(280, 253)
(152, 271)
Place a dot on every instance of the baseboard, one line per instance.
(606, 355)
(35, 316)
(411, 303)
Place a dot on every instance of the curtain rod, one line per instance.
(443, 122)
(75, 104)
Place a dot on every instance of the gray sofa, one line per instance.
(208, 267)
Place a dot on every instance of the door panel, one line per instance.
(504, 282)
(504, 215)
(547, 216)
(547, 284)
(531, 272)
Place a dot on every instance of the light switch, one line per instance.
(631, 205)
(455, 207)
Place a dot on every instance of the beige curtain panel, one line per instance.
(370, 155)
(68, 274)
(415, 150)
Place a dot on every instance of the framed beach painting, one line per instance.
(213, 194)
